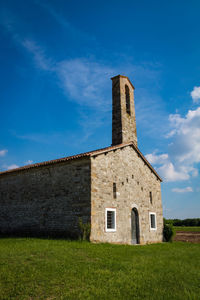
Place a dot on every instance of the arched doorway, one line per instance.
(135, 226)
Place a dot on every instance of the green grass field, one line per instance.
(184, 228)
(60, 269)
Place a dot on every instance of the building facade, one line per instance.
(115, 189)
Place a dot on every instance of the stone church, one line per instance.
(115, 189)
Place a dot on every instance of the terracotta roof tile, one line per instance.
(81, 155)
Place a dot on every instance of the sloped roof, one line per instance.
(122, 76)
(81, 155)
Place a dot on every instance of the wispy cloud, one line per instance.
(10, 167)
(12, 25)
(86, 81)
(39, 55)
(29, 162)
(195, 94)
(43, 138)
(64, 23)
(3, 152)
(183, 190)
(183, 151)
(82, 80)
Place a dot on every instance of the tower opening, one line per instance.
(127, 93)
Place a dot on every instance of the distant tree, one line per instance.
(185, 222)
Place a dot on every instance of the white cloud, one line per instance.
(3, 152)
(185, 146)
(169, 173)
(13, 166)
(195, 94)
(184, 150)
(29, 162)
(157, 159)
(184, 190)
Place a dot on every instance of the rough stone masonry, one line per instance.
(115, 189)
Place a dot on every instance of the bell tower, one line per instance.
(123, 111)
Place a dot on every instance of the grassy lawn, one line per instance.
(184, 228)
(60, 269)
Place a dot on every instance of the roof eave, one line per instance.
(83, 155)
(122, 76)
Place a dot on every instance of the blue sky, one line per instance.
(57, 58)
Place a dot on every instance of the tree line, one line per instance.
(185, 222)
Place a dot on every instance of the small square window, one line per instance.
(153, 225)
(110, 219)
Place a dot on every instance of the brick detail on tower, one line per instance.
(123, 111)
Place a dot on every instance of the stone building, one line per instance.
(115, 189)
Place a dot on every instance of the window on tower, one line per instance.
(127, 92)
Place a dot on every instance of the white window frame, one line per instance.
(110, 229)
(152, 213)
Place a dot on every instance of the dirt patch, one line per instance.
(187, 236)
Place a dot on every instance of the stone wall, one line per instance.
(134, 180)
(46, 200)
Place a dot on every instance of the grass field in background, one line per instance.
(187, 228)
(60, 269)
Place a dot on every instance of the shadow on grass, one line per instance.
(42, 235)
